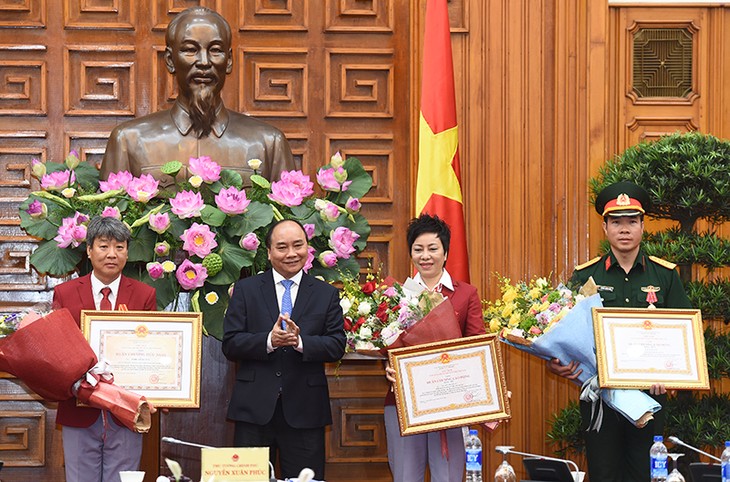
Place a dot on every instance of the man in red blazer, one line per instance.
(96, 447)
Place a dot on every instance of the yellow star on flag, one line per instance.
(435, 173)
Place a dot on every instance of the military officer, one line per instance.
(626, 277)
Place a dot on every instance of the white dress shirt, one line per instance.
(97, 286)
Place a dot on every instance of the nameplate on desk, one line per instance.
(235, 464)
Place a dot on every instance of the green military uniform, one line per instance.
(619, 451)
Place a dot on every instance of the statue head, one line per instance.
(199, 55)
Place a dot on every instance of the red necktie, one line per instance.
(105, 304)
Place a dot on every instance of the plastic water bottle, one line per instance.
(725, 460)
(658, 456)
(473, 447)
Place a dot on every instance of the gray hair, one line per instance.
(196, 12)
(103, 227)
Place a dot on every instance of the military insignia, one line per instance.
(588, 263)
(651, 292)
(604, 288)
(623, 199)
(608, 263)
(663, 262)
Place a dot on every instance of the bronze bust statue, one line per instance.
(199, 54)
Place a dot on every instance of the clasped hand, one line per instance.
(571, 372)
(285, 332)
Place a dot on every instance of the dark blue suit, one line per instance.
(285, 382)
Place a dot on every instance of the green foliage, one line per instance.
(717, 350)
(706, 249)
(701, 421)
(565, 432)
(687, 176)
(713, 298)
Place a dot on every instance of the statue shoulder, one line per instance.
(145, 124)
(588, 263)
(663, 262)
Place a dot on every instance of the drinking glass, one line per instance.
(674, 475)
(505, 472)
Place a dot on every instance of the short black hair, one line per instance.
(267, 241)
(104, 227)
(196, 12)
(426, 223)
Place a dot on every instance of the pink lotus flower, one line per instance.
(72, 160)
(72, 231)
(310, 259)
(162, 249)
(333, 179)
(159, 222)
(199, 240)
(232, 201)
(291, 189)
(143, 188)
(187, 204)
(203, 166)
(58, 180)
(191, 275)
(37, 210)
(116, 180)
(309, 230)
(328, 211)
(342, 241)
(38, 169)
(328, 259)
(111, 212)
(155, 270)
(353, 205)
(250, 242)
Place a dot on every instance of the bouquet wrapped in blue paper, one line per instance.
(557, 323)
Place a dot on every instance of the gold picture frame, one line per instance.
(636, 348)
(450, 383)
(155, 354)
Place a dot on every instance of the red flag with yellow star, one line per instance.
(438, 186)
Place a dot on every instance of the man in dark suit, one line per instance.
(280, 398)
(95, 445)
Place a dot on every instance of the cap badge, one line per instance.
(623, 199)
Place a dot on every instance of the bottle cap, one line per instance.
(658, 438)
(473, 431)
(727, 443)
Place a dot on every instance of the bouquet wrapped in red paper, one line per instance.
(53, 358)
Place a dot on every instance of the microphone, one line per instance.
(505, 449)
(182, 442)
(173, 440)
(676, 441)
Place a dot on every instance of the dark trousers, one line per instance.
(298, 448)
(619, 451)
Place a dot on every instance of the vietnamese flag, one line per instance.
(438, 186)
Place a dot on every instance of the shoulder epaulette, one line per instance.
(588, 263)
(663, 262)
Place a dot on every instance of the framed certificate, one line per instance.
(636, 348)
(449, 384)
(155, 354)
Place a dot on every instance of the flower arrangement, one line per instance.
(527, 310)
(380, 311)
(197, 236)
(9, 323)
